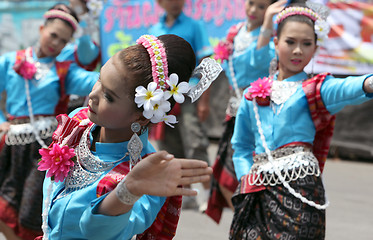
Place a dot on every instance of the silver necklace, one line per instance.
(88, 168)
(41, 68)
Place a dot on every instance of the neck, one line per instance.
(170, 19)
(114, 136)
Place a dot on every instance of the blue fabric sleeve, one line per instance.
(87, 51)
(337, 93)
(243, 141)
(202, 44)
(4, 66)
(137, 220)
(260, 58)
(80, 81)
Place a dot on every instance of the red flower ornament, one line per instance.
(261, 91)
(57, 160)
(25, 69)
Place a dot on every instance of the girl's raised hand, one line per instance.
(160, 174)
(271, 11)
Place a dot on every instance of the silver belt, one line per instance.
(23, 133)
(292, 162)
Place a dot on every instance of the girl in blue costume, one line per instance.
(84, 50)
(282, 135)
(37, 86)
(114, 189)
(250, 51)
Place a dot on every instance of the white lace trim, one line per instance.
(282, 91)
(292, 167)
(243, 40)
(21, 134)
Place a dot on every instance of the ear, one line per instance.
(142, 120)
(275, 41)
(41, 29)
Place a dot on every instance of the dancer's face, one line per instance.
(53, 37)
(295, 48)
(110, 106)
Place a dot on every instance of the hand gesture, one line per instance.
(160, 174)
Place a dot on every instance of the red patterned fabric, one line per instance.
(165, 224)
(323, 120)
(10, 217)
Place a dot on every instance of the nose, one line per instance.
(297, 50)
(93, 95)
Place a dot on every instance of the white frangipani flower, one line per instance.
(95, 7)
(169, 120)
(176, 90)
(158, 110)
(148, 97)
(322, 29)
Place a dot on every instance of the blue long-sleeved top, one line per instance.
(75, 215)
(291, 122)
(249, 63)
(45, 92)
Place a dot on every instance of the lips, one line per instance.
(90, 109)
(252, 17)
(296, 61)
(51, 49)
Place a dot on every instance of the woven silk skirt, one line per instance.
(274, 213)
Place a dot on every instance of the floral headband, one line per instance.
(154, 98)
(54, 13)
(322, 28)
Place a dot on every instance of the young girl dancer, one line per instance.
(37, 86)
(114, 189)
(282, 135)
(248, 50)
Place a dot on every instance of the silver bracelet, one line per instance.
(265, 32)
(370, 82)
(124, 195)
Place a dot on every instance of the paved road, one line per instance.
(349, 216)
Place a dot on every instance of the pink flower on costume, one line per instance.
(57, 160)
(26, 69)
(261, 91)
(222, 51)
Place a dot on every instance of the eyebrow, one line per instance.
(107, 89)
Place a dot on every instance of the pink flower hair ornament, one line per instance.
(154, 98)
(261, 91)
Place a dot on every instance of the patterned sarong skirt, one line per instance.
(274, 213)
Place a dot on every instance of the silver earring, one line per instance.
(273, 66)
(135, 145)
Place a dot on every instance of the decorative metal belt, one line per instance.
(21, 131)
(293, 163)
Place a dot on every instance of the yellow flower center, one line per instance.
(174, 90)
(57, 159)
(156, 106)
(149, 95)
